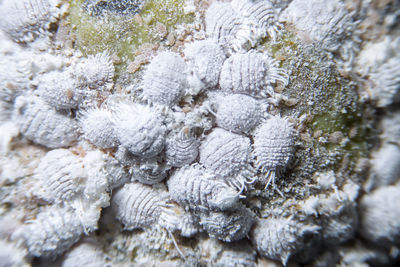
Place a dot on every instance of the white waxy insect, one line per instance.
(138, 206)
(251, 73)
(24, 20)
(273, 147)
(386, 83)
(97, 184)
(238, 113)
(336, 211)
(228, 226)
(260, 17)
(174, 218)
(15, 74)
(222, 24)
(181, 149)
(61, 175)
(139, 129)
(98, 127)
(117, 174)
(87, 253)
(325, 24)
(164, 80)
(42, 124)
(340, 227)
(53, 232)
(195, 189)
(379, 213)
(390, 126)
(228, 155)
(96, 72)
(385, 165)
(204, 60)
(149, 171)
(59, 90)
(280, 238)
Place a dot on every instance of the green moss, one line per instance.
(122, 35)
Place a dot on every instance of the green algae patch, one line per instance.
(121, 35)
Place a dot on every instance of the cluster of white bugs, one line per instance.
(239, 25)
(193, 149)
(79, 85)
(66, 109)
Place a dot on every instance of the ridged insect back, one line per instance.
(222, 23)
(96, 72)
(251, 73)
(139, 129)
(280, 238)
(274, 144)
(205, 59)
(149, 171)
(24, 20)
(196, 189)
(137, 205)
(260, 14)
(59, 90)
(61, 174)
(53, 232)
(238, 113)
(42, 124)
(98, 127)
(225, 153)
(164, 80)
(181, 149)
(228, 226)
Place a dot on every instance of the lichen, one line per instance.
(122, 35)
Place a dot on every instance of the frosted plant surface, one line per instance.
(199, 133)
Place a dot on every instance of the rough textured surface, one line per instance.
(42, 124)
(176, 98)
